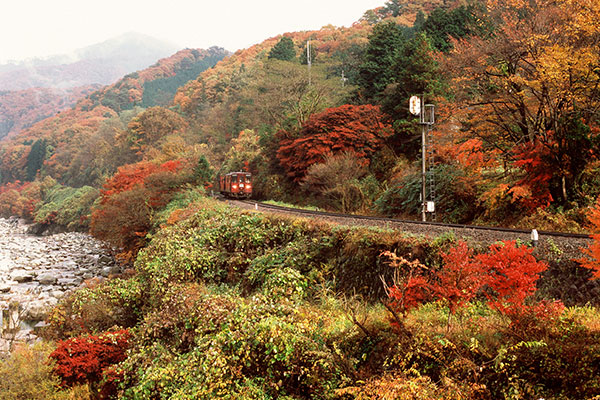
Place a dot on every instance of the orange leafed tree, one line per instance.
(123, 216)
(151, 125)
(357, 129)
(593, 250)
(530, 91)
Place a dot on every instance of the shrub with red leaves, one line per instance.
(83, 359)
(460, 279)
(409, 289)
(513, 272)
(508, 273)
(123, 216)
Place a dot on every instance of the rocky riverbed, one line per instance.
(37, 271)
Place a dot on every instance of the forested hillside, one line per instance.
(35, 89)
(72, 147)
(21, 109)
(221, 303)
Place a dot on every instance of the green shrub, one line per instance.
(285, 283)
(563, 363)
(217, 244)
(97, 308)
(180, 201)
(270, 349)
(456, 198)
(66, 206)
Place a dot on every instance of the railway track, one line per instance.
(421, 223)
(550, 244)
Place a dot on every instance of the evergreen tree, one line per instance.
(416, 72)
(203, 173)
(376, 73)
(284, 50)
(443, 24)
(35, 159)
(393, 7)
(419, 20)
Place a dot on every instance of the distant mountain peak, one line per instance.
(119, 46)
(101, 63)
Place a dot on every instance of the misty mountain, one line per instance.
(102, 63)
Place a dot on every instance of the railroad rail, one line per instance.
(421, 223)
(551, 246)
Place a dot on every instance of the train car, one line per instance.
(236, 184)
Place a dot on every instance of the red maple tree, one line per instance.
(512, 272)
(508, 272)
(460, 278)
(123, 215)
(348, 128)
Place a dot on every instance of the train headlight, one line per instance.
(234, 186)
(241, 185)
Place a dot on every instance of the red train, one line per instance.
(236, 184)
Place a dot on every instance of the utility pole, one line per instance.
(423, 164)
(426, 115)
(308, 60)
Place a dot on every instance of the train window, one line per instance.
(242, 180)
(234, 179)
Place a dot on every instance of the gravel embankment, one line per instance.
(549, 247)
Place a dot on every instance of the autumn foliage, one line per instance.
(512, 273)
(593, 250)
(84, 359)
(357, 129)
(411, 286)
(123, 216)
(459, 280)
(530, 93)
(21, 109)
(12, 201)
(532, 191)
(505, 276)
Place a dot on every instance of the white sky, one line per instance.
(39, 28)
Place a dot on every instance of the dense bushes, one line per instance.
(238, 305)
(234, 345)
(47, 202)
(219, 245)
(27, 374)
(84, 359)
(67, 207)
(456, 196)
(123, 215)
(97, 307)
(341, 183)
